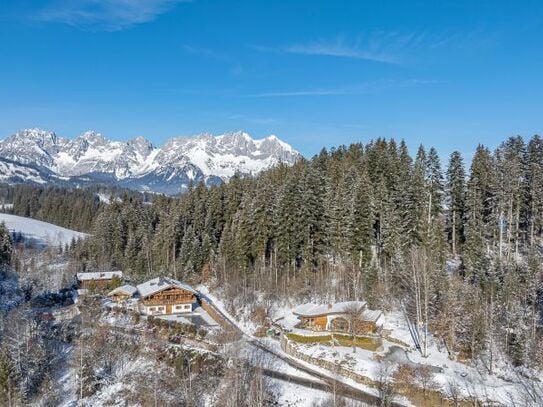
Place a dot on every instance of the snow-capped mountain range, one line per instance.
(40, 156)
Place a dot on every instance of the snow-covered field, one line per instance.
(6, 206)
(38, 232)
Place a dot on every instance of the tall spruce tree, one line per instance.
(419, 198)
(480, 208)
(362, 221)
(455, 198)
(535, 190)
(511, 194)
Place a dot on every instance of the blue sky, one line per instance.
(315, 73)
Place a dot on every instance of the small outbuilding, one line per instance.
(338, 317)
(122, 293)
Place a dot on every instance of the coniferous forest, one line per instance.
(68, 207)
(457, 245)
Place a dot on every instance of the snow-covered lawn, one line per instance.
(198, 317)
(38, 232)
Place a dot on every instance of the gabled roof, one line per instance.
(99, 275)
(314, 310)
(371, 315)
(126, 289)
(160, 284)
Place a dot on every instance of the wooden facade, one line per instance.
(345, 317)
(170, 300)
(99, 280)
(316, 323)
(361, 326)
(339, 324)
(120, 296)
(170, 296)
(96, 284)
(366, 327)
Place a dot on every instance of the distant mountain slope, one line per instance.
(137, 164)
(13, 172)
(38, 232)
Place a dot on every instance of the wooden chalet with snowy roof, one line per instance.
(338, 317)
(163, 296)
(98, 279)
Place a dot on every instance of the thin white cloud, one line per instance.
(349, 90)
(381, 46)
(107, 15)
(340, 49)
(308, 92)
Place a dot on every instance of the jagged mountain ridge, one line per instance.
(137, 163)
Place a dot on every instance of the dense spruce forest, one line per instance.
(460, 251)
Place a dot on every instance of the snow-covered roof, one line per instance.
(161, 283)
(371, 315)
(99, 275)
(313, 310)
(126, 289)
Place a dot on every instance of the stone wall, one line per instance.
(430, 397)
(289, 347)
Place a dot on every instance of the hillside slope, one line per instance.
(38, 232)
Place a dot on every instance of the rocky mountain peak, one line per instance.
(92, 137)
(141, 145)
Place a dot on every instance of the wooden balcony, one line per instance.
(169, 300)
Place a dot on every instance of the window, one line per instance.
(152, 309)
(161, 308)
(340, 324)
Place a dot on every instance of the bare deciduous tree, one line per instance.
(385, 384)
(353, 312)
